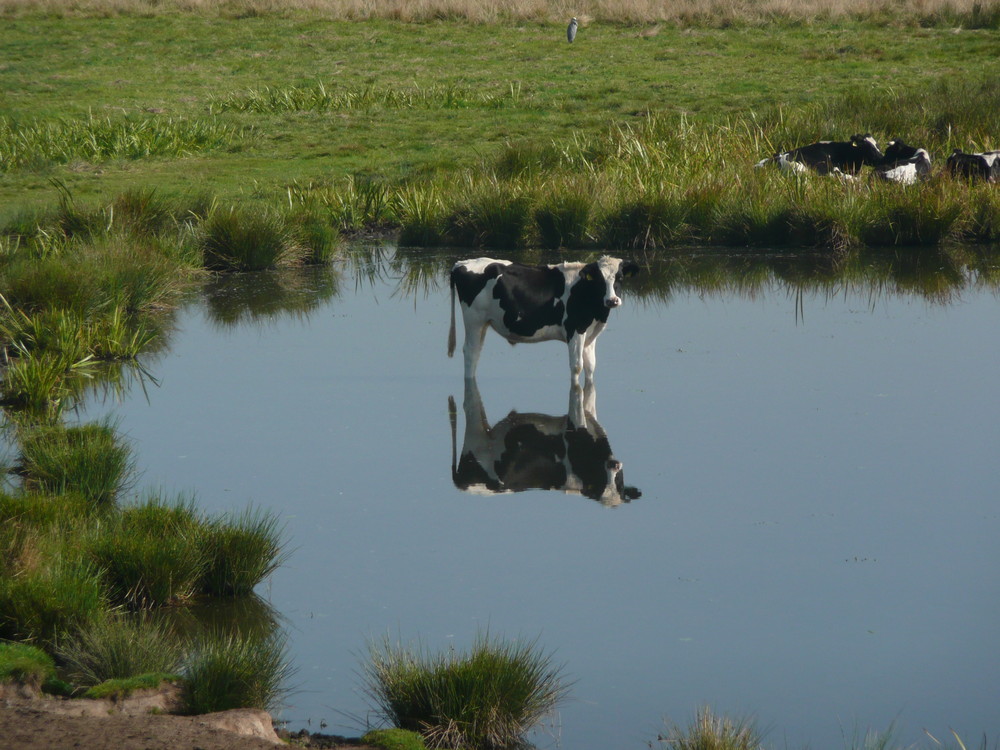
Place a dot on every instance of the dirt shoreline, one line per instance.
(32, 722)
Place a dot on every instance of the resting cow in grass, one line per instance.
(566, 302)
(976, 166)
(903, 163)
(823, 157)
(521, 452)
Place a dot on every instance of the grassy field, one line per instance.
(242, 106)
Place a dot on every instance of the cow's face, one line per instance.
(610, 272)
(615, 490)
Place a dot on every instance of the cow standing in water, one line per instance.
(566, 302)
(521, 452)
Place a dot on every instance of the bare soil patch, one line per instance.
(32, 722)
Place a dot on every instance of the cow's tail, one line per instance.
(451, 332)
(453, 418)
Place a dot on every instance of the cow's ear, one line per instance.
(629, 268)
(590, 272)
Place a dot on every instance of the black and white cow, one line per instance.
(824, 157)
(566, 302)
(977, 166)
(521, 452)
(903, 163)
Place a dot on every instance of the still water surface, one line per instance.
(816, 543)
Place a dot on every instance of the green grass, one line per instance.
(22, 663)
(150, 554)
(488, 697)
(91, 460)
(227, 671)
(116, 689)
(394, 739)
(43, 601)
(259, 239)
(241, 550)
(711, 731)
(37, 145)
(117, 647)
(182, 66)
(320, 98)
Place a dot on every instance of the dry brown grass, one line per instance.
(674, 12)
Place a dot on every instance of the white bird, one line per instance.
(571, 30)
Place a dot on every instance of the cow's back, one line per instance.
(530, 299)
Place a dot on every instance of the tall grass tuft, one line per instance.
(709, 731)
(117, 646)
(91, 274)
(90, 460)
(898, 216)
(22, 511)
(40, 385)
(315, 232)
(41, 602)
(150, 554)
(240, 552)
(495, 215)
(485, 698)
(421, 213)
(564, 217)
(141, 211)
(226, 671)
(249, 239)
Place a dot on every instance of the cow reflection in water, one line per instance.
(537, 451)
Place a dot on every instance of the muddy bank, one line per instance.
(142, 721)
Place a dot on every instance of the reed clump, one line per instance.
(118, 646)
(228, 670)
(260, 238)
(40, 602)
(487, 697)
(711, 731)
(89, 461)
(240, 550)
(150, 554)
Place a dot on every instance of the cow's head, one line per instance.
(615, 490)
(609, 272)
(869, 148)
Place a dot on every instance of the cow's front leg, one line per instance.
(590, 400)
(589, 362)
(472, 348)
(576, 350)
(577, 411)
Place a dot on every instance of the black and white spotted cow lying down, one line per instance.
(903, 163)
(566, 302)
(984, 165)
(829, 157)
(569, 453)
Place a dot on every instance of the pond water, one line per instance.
(815, 543)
